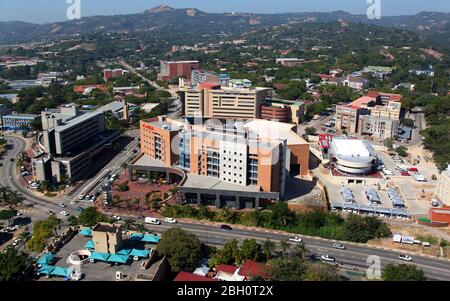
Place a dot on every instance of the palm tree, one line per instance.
(128, 224)
(300, 250)
(147, 203)
(137, 202)
(268, 247)
(284, 247)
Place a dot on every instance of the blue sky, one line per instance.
(42, 11)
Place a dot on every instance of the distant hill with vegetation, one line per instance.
(432, 24)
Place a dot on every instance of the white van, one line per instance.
(152, 220)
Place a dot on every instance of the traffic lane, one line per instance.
(317, 243)
(353, 255)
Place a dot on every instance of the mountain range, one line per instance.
(435, 25)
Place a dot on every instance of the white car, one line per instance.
(295, 239)
(388, 172)
(117, 218)
(64, 213)
(339, 246)
(16, 242)
(328, 258)
(170, 220)
(62, 205)
(152, 220)
(405, 257)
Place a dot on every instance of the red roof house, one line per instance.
(189, 277)
(252, 269)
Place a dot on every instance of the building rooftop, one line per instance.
(103, 227)
(274, 130)
(69, 123)
(145, 160)
(204, 182)
(185, 276)
(352, 149)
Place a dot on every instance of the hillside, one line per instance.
(432, 24)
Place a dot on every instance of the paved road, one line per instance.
(175, 97)
(355, 255)
(40, 205)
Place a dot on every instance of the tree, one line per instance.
(285, 246)
(311, 131)
(300, 250)
(320, 272)
(268, 248)
(250, 249)
(408, 122)
(403, 272)
(90, 217)
(8, 215)
(181, 248)
(389, 143)
(229, 254)
(402, 151)
(15, 266)
(42, 231)
(287, 269)
(128, 224)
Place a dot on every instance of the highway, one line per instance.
(355, 255)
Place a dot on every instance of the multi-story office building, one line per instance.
(290, 62)
(113, 73)
(213, 101)
(358, 83)
(376, 113)
(379, 127)
(18, 122)
(170, 70)
(283, 110)
(245, 161)
(202, 76)
(70, 140)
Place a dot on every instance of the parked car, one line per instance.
(327, 257)
(62, 205)
(81, 197)
(339, 246)
(80, 209)
(434, 203)
(405, 257)
(64, 213)
(388, 172)
(226, 227)
(170, 220)
(295, 239)
(413, 169)
(25, 173)
(49, 212)
(116, 217)
(405, 173)
(16, 242)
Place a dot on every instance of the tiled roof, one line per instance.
(189, 277)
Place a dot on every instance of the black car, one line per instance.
(226, 227)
